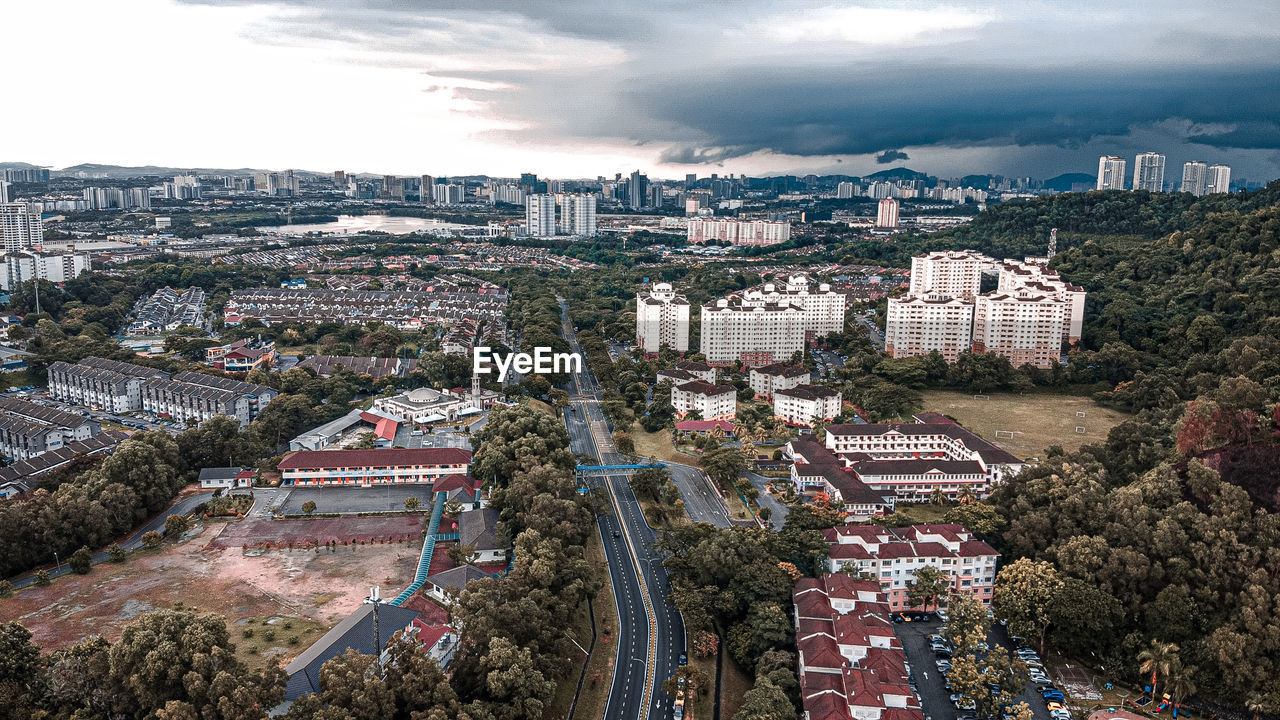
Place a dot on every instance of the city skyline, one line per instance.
(411, 87)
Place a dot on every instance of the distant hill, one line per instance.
(899, 173)
(120, 171)
(1063, 182)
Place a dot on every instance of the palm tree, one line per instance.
(1181, 684)
(966, 496)
(1159, 659)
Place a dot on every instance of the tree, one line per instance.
(981, 519)
(1160, 659)
(115, 553)
(928, 584)
(412, 503)
(175, 525)
(623, 443)
(81, 561)
(1023, 594)
(723, 464)
(695, 681)
(967, 623)
(367, 441)
(309, 507)
(765, 701)
(6, 589)
(650, 482)
(462, 554)
(152, 539)
(42, 578)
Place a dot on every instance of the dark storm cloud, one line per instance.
(706, 83)
(891, 156)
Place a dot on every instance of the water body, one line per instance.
(351, 224)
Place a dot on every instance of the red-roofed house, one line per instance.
(851, 665)
(893, 555)
(704, 426)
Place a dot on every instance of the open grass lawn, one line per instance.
(539, 405)
(921, 513)
(1036, 420)
(262, 641)
(734, 683)
(658, 445)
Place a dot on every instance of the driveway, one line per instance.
(766, 500)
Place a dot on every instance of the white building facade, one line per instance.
(738, 232)
(1023, 326)
(1148, 172)
(540, 215)
(920, 324)
(751, 329)
(1111, 172)
(662, 318)
(21, 226)
(806, 404)
(712, 402)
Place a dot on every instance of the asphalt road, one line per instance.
(184, 506)
(651, 632)
(701, 500)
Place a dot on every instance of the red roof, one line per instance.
(430, 633)
(453, 482)
(396, 457)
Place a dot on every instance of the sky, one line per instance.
(568, 88)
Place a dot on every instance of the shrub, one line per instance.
(175, 525)
(152, 539)
(81, 561)
(246, 633)
(6, 589)
(115, 553)
(42, 578)
(269, 635)
(309, 507)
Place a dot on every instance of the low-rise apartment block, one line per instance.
(101, 384)
(28, 430)
(851, 665)
(190, 396)
(767, 380)
(367, 468)
(686, 370)
(167, 310)
(375, 367)
(1016, 275)
(893, 555)
(405, 309)
(752, 329)
(806, 404)
(712, 402)
(954, 273)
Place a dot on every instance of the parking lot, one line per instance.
(935, 698)
(351, 499)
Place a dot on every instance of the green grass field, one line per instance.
(1035, 421)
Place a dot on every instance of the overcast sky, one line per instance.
(568, 88)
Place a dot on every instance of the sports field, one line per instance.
(1028, 424)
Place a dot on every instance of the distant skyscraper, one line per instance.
(578, 214)
(1219, 179)
(887, 213)
(690, 180)
(392, 187)
(1195, 176)
(1111, 171)
(844, 190)
(426, 189)
(540, 215)
(657, 195)
(4, 191)
(637, 190)
(1148, 172)
(20, 225)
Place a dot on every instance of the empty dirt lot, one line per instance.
(260, 592)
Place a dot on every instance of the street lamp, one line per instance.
(57, 564)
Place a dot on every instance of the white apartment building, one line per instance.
(806, 404)
(894, 555)
(21, 267)
(1111, 172)
(751, 329)
(920, 324)
(1148, 172)
(1219, 179)
(738, 232)
(767, 380)
(449, 194)
(954, 273)
(21, 226)
(887, 213)
(662, 318)
(1195, 177)
(823, 307)
(713, 402)
(1024, 326)
(1036, 277)
(578, 214)
(844, 190)
(540, 215)
(190, 396)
